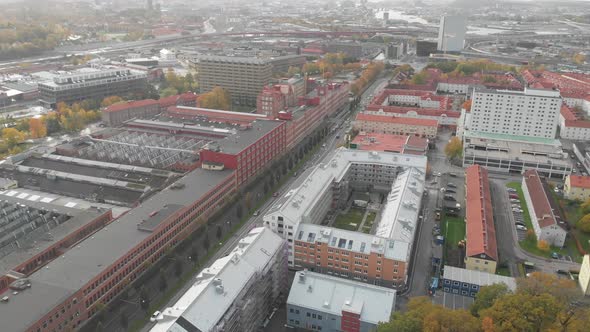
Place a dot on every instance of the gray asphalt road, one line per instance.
(506, 235)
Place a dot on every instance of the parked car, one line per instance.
(518, 223)
(450, 198)
(514, 200)
(512, 190)
(513, 196)
(451, 185)
(451, 191)
(452, 174)
(256, 213)
(521, 227)
(517, 210)
(275, 194)
(154, 316)
(562, 272)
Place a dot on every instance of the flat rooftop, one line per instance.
(477, 277)
(297, 202)
(334, 295)
(64, 276)
(230, 139)
(70, 185)
(510, 147)
(65, 164)
(41, 238)
(399, 217)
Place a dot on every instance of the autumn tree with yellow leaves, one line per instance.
(218, 99)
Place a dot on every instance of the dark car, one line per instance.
(451, 185)
(451, 191)
(563, 272)
(450, 198)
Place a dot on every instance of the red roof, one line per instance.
(312, 50)
(567, 113)
(579, 181)
(129, 105)
(539, 199)
(396, 119)
(481, 234)
(173, 100)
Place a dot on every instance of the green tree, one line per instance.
(162, 282)
(523, 312)
(584, 224)
(219, 232)
(454, 149)
(170, 91)
(486, 297)
(419, 78)
(423, 315)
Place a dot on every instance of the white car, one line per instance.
(521, 227)
(155, 316)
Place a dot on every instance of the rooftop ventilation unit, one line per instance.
(302, 277)
(219, 289)
(217, 281)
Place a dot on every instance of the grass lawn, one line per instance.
(454, 230)
(349, 221)
(503, 271)
(573, 213)
(529, 244)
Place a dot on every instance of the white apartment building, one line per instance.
(236, 293)
(326, 187)
(532, 112)
(417, 100)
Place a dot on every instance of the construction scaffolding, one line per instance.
(144, 149)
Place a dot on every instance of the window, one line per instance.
(308, 314)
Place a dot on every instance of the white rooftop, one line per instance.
(218, 286)
(400, 213)
(297, 202)
(477, 277)
(333, 295)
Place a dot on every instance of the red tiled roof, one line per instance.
(577, 123)
(579, 181)
(173, 100)
(481, 234)
(396, 119)
(539, 199)
(129, 105)
(567, 113)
